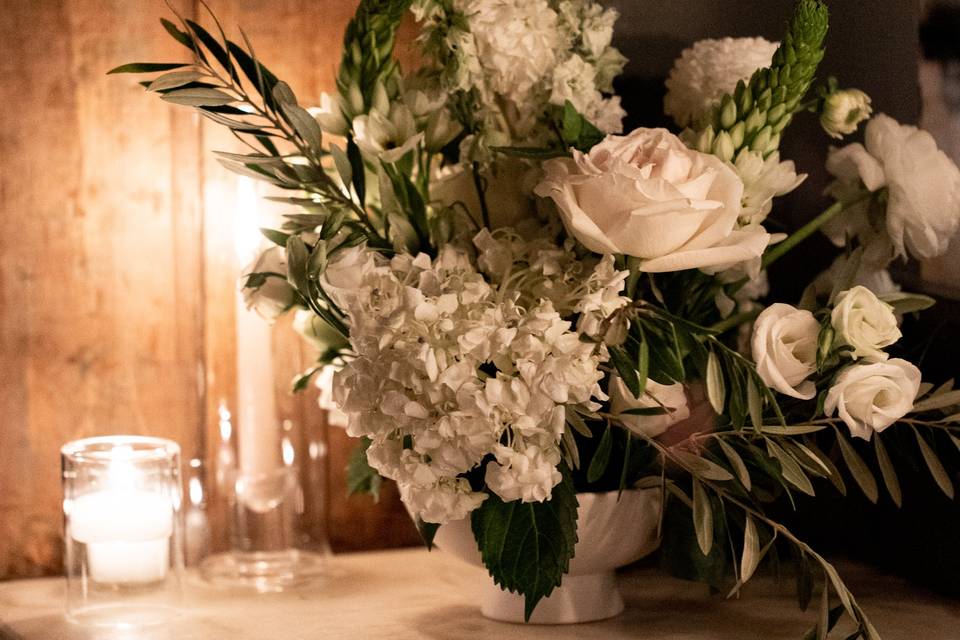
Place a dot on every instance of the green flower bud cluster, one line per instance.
(368, 64)
(757, 112)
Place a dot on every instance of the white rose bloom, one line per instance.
(864, 322)
(447, 501)
(648, 195)
(709, 69)
(923, 207)
(346, 273)
(672, 397)
(871, 397)
(272, 298)
(784, 348)
(528, 475)
(843, 111)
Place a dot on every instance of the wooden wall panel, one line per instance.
(117, 262)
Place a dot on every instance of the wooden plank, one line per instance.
(96, 334)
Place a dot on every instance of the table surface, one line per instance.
(416, 595)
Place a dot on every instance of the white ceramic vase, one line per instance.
(611, 533)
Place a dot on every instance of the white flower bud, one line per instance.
(864, 322)
(843, 111)
(271, 294)
(329, 115)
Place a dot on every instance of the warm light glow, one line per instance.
(226, 427)
(288, 453)
(247, 223)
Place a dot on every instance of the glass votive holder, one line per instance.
(123, 530)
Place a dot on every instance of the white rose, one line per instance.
(843, 111)
(273, 295)
(923, 184)
(864, 322)
(346, 272)
(647, 195)
(784, 347)
(871, 397)
(672, 397)
(709, 69)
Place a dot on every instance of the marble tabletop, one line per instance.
(415, 595)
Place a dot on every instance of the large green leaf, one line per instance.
(361, 477)
(527, 547)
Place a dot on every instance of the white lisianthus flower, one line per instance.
(272, 295)
(923, 188)
(864, 322)
(672, 397)
(763, 180)
(709, 69)
(447, 501)
(528, 475)
(871, 397)
(648, 195)
(843, 111)
(784, 346)
(878, 280)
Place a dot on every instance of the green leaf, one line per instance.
(858, 469)
(361, 477)
(887, 471)
(278, 238)
(305, 125)
(716, 389)
(342, 162)
(211, 43)
(198, 97)
(736, 462)
(792, 430)
(934, 465)
(754, 404)
(147, 67)
(626, 465)
(173, 80)
(792, 471)
(297, 257)
(575, 420)
(903, 302)
(702, 467)
(601, 457)
(702, 517)
(804, 581)
(527, 547)
(428, 531)
(534, 153)
(938, 401)
(180, 36)
(625, 368)
(751, 550)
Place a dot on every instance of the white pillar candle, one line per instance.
(126, 533)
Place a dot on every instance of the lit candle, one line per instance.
(258, 430)
(126, 530)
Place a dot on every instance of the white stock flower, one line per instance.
(528, 475)
(923, 188)
(273, 295)
(843, 111)
(447, 501)
(709, 69)
(784, 346)
(864, 322)
(647, 195)
(672, 397)
(763, 180)
(575, 80)
(871, 397)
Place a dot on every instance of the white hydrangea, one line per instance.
(763, 180)
(709, 69)
(449, 367)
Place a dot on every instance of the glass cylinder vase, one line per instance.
(123, 530)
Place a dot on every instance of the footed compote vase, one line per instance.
(611, 533)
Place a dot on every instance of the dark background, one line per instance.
(873, 46)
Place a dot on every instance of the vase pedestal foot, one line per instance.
(579, 598)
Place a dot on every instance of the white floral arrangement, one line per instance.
(522, 303)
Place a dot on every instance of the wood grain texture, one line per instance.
(117, 263)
